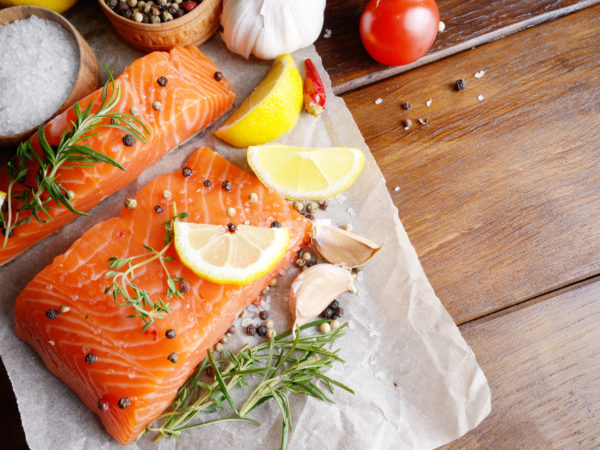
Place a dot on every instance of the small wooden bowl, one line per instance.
(88, 75)
(192, 28)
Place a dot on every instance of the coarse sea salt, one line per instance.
(39, 61)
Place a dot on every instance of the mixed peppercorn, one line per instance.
(153, 12)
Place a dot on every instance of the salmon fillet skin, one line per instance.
(126, 362)
(190, 100)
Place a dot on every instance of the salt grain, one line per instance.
(479, 74)
(38, 66)
(378, 101)
(397, 189)
(327, 33)
(428, 102)
(480, 97)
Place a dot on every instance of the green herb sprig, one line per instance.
(37, 200)
(281, 366)
(136, 297)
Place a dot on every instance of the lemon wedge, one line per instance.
(224, 257)
(270, 111)
(306, 173)
(55, 5)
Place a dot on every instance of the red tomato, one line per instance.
(397, 32)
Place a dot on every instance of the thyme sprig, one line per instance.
(277, 367)
(140, 299)
(71, 151)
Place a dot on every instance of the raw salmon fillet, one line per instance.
(130, 363)
(191, 100)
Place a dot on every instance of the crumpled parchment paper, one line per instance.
(417, 382)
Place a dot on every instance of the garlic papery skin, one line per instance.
(315, 288)
(342, 247)
(269, 28)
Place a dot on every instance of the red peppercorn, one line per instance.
(189, 5)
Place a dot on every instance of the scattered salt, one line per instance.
(479, 74)
(480, 97)
(38, 65)
(397, 188)
(327, 33)
(378, 101)
(428, 102)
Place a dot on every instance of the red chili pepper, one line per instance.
(314, 92)
(189, 5)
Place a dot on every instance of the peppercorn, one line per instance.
(334, 305)
(231, 227)
(264, 315)
(250, 330)
(405, 106)
(170, 333)
(134, 111)
(276, 224)
(423, 121)
(51, 313)
(128, 140)
(132, 3)
(157, 106)
(180, 12)
(159, 209)
(131, 203)
(269, 323)
(270, 333)
(338, 312)
(253, 197)
(307, 256)
(114, 121)
(328, 313)
(231, 329)
(298, 205)
(334, 324)
(323, 204)
(172, 357)
(224, 340)
(111, 3)
(11, 233)
(184, 287)
(262, 330)
(167, 194)
(154, 18)
(273, 282)
(226, 185)
(138, 17)
(325, 328)
(266, 290)
(231, 212)
(347, 227)
(189, 5)
(310, 263)
(64, 309)
(102, 405)
(308, 216)
(406, 123)
(173, 9)
(90, 358)
(300, 262)
(162, 81)
(218, 76)
(124, 402)
(187, 171)
(312, 207)
(207, 183)
(219, 347)
(459, 85)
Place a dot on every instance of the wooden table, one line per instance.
(500, 194)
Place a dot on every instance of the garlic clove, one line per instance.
(315, 288)
(342, 247)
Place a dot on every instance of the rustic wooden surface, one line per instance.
(543, 365)
(499, 196)
(469, 23)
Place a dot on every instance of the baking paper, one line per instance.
(417, 382)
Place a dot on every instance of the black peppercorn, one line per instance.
(207, 183)
(334, 304)
(328, 313)
(162, 81)
(405, 106)
(276, 224)
(170, 333)
(184, 287)
(231, 227)
(11, 233)
(262, 330)
(124, 402)
(251, 330)
(308, 216)
(112, 3)
(339, 312)
(180, 12)
(323, 204)
(159, 209)
(102, 405)
(310, 263)
(187, 172)
(52, 313)
(90, 358)
(172, 357)
(264, 315)
(128, 140)
(226, 185)
(460, 85)
(218, 76)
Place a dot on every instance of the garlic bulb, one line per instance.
(269, 28)
(315, 288)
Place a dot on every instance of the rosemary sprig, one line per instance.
(136, 297)
(281, 366)
(37, 200)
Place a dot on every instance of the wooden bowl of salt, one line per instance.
(83, 72)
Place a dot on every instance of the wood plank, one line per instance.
(11, 430)
(469, 23)
(499, 196)
(542, 361)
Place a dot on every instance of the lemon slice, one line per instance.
(224, 257)
(306, 173)
(270, 111)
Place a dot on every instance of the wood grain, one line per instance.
(13, 437)
(499, 196)
(542, 362)
(469, 23)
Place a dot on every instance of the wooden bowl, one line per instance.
(192, 28)
(88, 75)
